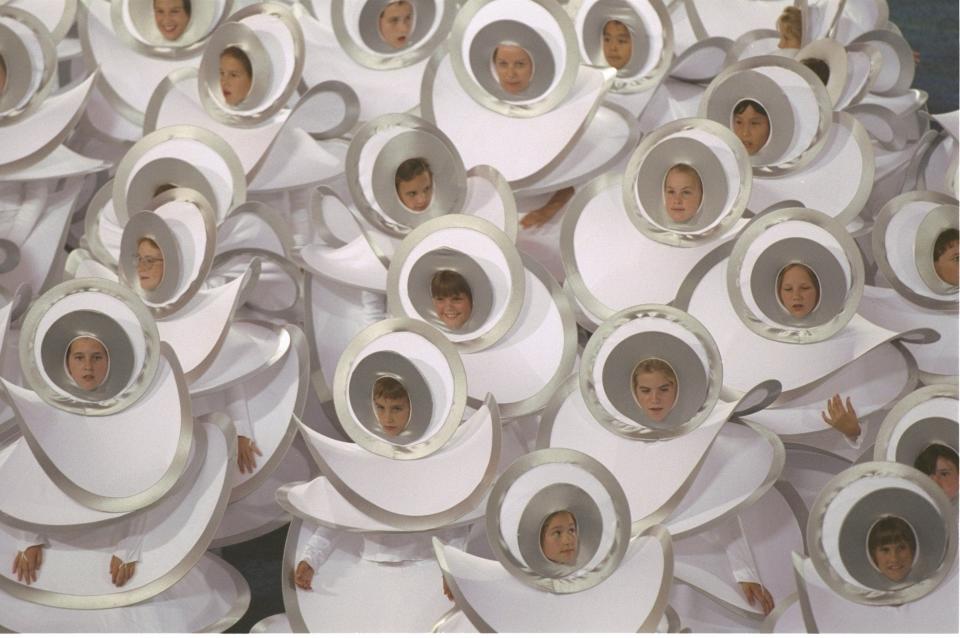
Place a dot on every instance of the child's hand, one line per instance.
(247, 451)
(121, 572)
(27, 562)
(757, 593)
(842, 419)
(303, 576)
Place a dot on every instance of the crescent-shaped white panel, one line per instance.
(296, 160)
(621, 603)
(114, 456)
(354, 264)
(61, 162)
(75, 563)
(408, 488)
(793, 365)
(33, 134)
(211, 597)
(485, 137)
(196, 330)
(247, 350)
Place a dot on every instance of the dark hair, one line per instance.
(410, 168)
(546, 522)
(943, 241)
(186, 6)
(446, 283)
(3, 64)
(241, 56)
(927, 460)
(889, 530)
(818, 66)
(743, 104)
(389, 388)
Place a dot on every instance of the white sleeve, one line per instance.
(320, 546)
(28, 538)
(728, 536)
(374, 306)
(857, 440)
(236, 408)
(130, 547)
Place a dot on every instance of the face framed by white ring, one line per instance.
(167, 250)
(776, 106)
(921, 431)
(515, 57)
(400, 389)
(633, 36)
(795, 275)
(473, 294)
(156, 163)
(558, 521)
(391, 34)
(29, 63)
(686, 182)
(882, 533)
(251, 65)
(89, 346)
(167, 28)
(921, 267)
(651, 372)
(402, 171)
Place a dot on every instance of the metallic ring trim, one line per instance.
(351, 108)
(747, 38)
(277, 224)
(885, 448)
(418, 49)
(267, 257)
(904, 54)
(511, 310)
(152, 43)
(361, 434)
(669, 134)
(530, 108)
(865, 595)
(878, 243)
(125, 170)
(511, 225)
(9, 255)
(152, 494)
(449, 174)
(15, 105)
(794, 334)
(862, 139)
(317, 221)
(240, 605)
(580, 580)
(91, 225)
(935, 222)
(30, 356)
(171, 295)
(628, 79)
(712, 368)
(235, 33)
(721, 112)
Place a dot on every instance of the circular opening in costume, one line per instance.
(892, 548)
(236, 75)
(682, 193)
(655, 388)
(149, 263)
(87, 355)
(414, 184)
(451, 291)
(512, 62)
(798, 289)
(751, 123)
(390, 398)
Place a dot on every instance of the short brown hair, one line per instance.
(410, 168)
(447, 283)
(240, 56)
(943, 242)
(389, 388)
(927, 460)
(818, 66)
(888, 530)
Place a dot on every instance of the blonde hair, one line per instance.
(686, 169)
(652, 364)
(790, 23)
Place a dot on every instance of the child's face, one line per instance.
(656, 394)
(234, 80)
(453, 310)
(514, 68)
(894, 560)
(171, 18)
(945, 475)
(560, 542)
(752, 128)
(682, 195)
(87, 363)
(946, 266)
(798, 293)
(149, 265)
(617, 44)
(396, 22)
(392, 414)
(416, 193)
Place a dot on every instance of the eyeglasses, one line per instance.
(147, 261)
